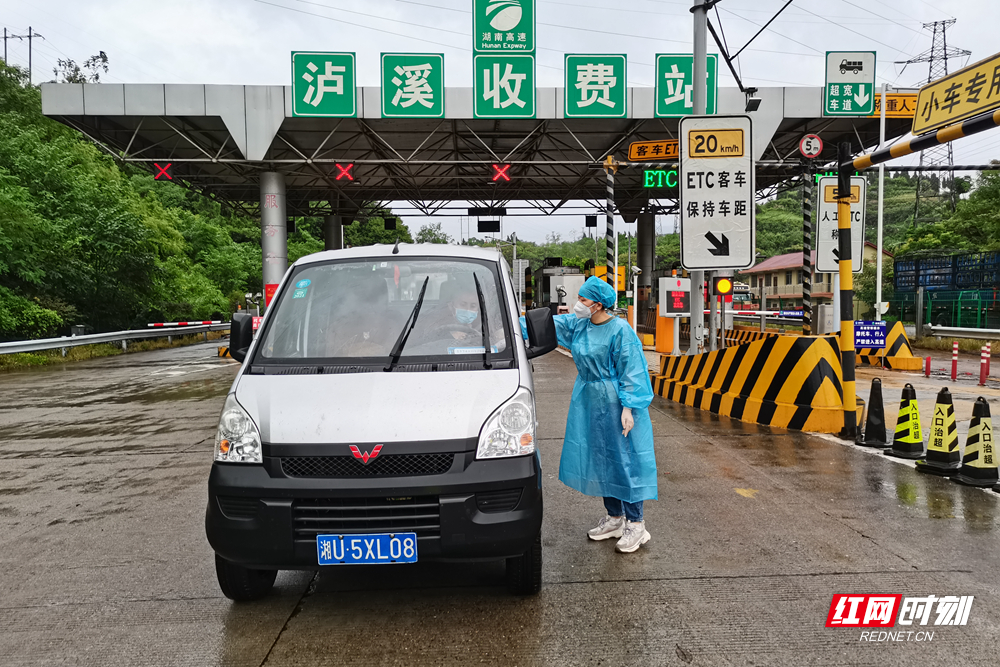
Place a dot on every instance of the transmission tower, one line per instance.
(937, 58)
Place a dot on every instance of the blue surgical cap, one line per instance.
(597, 290)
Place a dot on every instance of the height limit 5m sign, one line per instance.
(716, 183)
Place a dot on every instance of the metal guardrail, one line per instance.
(109, 337)
(961, 332)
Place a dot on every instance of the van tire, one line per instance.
(524, 572)
(241, 584)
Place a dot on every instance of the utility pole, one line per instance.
(699, 100)
(31, 34)
(937, 58)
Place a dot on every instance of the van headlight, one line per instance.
(510, 431)
(237, 440)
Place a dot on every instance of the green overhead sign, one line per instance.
(412, 85)
(595, 86)
(674, 84)
(503, 26)
(504, 86)
(323, 84)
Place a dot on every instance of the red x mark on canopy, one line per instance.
(501, 170)
(345, 171)
(163, 171)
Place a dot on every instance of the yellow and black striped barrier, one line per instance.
(974, 125)
(224, 351)
(897, 353)
(782, 381)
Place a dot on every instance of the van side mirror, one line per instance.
(541, 332)
(240, 335)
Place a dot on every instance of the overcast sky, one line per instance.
(248, 41)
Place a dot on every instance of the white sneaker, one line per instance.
(634, 535)
(610, 526)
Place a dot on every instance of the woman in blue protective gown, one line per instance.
(608, 450)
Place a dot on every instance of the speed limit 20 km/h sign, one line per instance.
(716, 183)
(810, 146)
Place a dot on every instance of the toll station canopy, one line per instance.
(219, 138)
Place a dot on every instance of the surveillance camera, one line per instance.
(636, 270)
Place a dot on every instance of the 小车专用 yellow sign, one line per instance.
(964, 94)
(897, 105)
(830, 194)
(646, 151)
(715, 143)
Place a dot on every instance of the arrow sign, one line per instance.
(862, 98)
(721, 248)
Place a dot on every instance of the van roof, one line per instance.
(384, 251)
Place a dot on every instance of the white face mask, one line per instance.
(581, 311)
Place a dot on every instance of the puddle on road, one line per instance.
(192, 390)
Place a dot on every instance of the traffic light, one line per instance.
(500, 172)
(722, 286)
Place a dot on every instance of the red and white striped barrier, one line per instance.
(984, 364)
(954, 361)
(183, 324)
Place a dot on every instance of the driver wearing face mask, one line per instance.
(464, 306)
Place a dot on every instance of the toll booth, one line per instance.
(549, 277)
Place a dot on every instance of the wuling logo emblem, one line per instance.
(365, 457)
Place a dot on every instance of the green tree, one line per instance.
(431, 233)
(371, 230)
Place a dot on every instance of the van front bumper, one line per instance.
(477, 510)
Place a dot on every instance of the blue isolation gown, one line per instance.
(612, 373)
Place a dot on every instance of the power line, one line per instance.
(865, 9)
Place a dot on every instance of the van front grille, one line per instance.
(393, 465)
(333, 516)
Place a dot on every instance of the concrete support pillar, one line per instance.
(333, 232)
(273, 230)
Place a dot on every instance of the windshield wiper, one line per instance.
(411, 321)
(485, 324)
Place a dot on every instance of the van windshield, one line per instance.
(357, 309)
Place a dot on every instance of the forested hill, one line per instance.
(86, 240)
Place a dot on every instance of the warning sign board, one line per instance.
(716, 185)
(648, 151)
(966, 93)
(827, 232)
(897, 105)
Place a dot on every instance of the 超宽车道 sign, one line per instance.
(850, 83)
(716, 174)
(964, 94)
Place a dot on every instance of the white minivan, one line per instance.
(384, 414)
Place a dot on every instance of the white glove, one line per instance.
(627, 421)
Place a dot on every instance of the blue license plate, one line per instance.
(374, 549)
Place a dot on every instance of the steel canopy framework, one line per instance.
(220, 138)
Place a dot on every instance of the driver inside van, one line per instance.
(458, 317)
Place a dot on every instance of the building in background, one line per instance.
(780, 277)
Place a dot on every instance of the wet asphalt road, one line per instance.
(103, 559)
